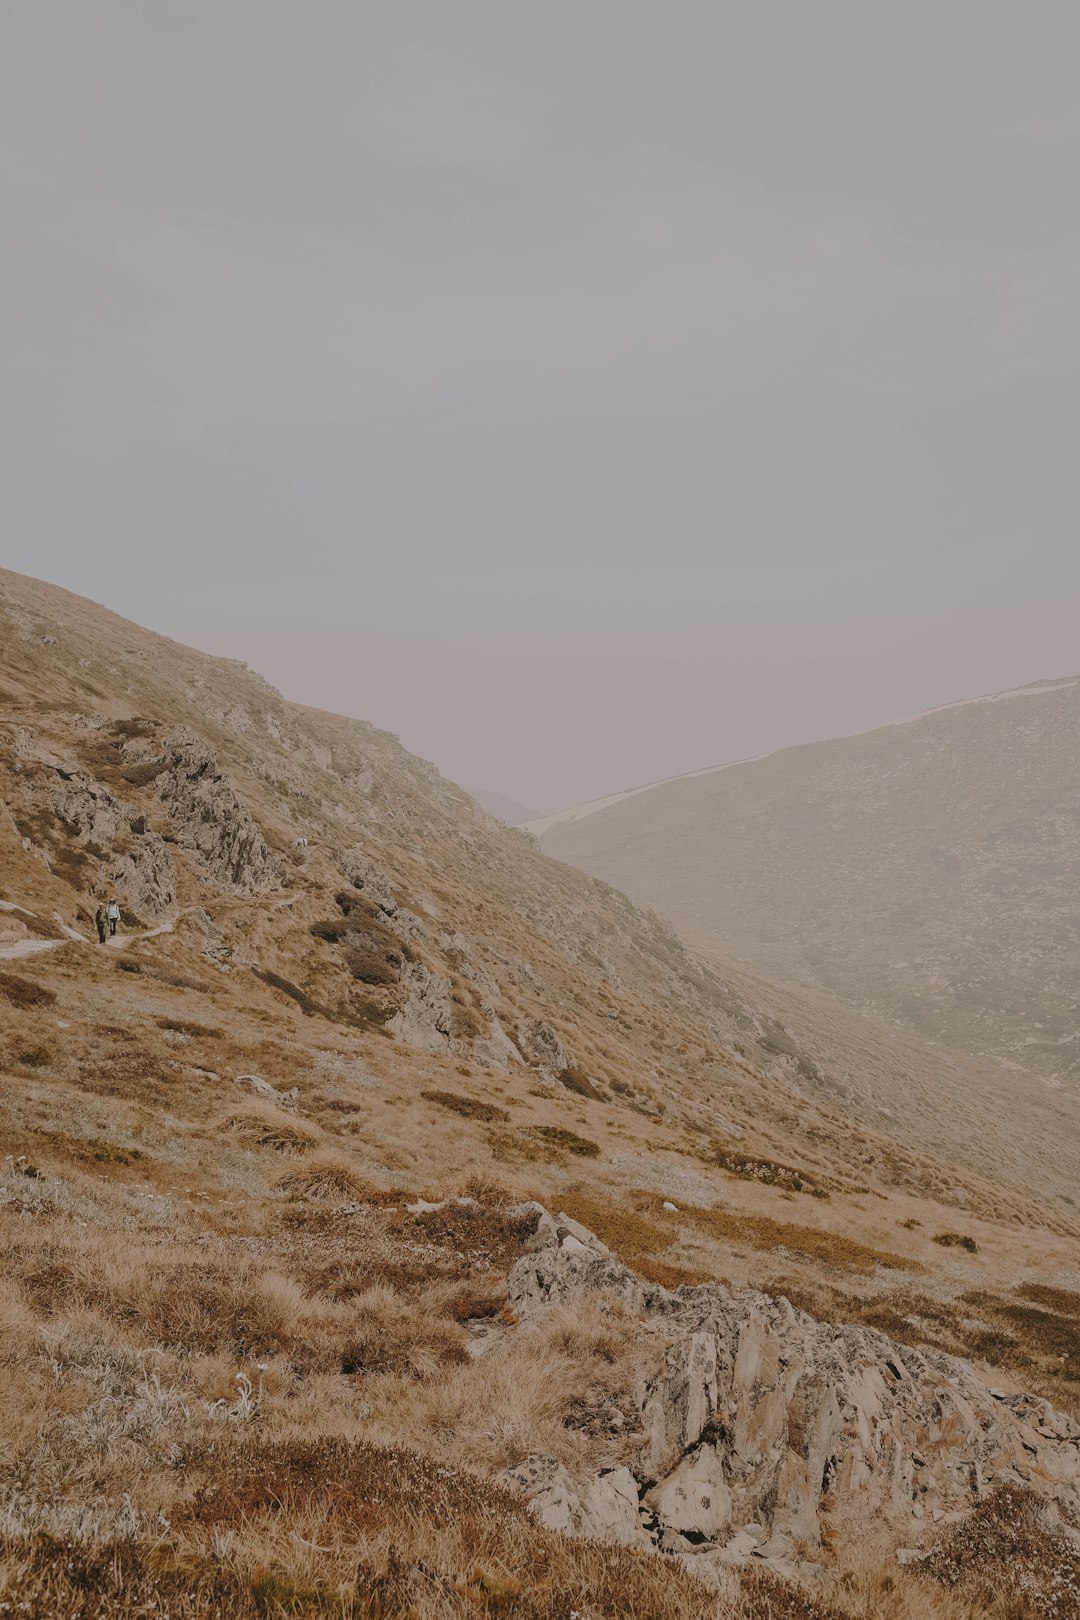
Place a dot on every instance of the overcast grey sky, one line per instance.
(587, 390)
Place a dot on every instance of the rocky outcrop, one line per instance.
(540, 1046)
(138, 865)
(757, 1421)
(607, 1509)
(208, 819)
(425, 1018)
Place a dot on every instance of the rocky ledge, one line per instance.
(759, 1426)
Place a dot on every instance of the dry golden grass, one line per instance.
(327, 1175)
(263, 1125)
(817, 1243)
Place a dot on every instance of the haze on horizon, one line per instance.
(588, 394)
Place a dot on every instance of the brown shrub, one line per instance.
(1054, 1299)
(565, 1141)
(483, 1239)
(22, 992)
(957, 1240)
(470, 1303)
(768, 1172)
(468, 1107)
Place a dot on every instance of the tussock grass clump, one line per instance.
(262, 1125)
(327, 1176)
(387, 1334)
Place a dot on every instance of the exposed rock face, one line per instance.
(141, 869)
(424, 1020)
(757, 1419)
(540, 1046)
(210, 821)
(607, 1510)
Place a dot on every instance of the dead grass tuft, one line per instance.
(262, 1125)
(327, 1176)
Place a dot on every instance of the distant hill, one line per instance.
(928, 870)
(503, 807)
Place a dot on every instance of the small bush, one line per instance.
(566, 1141)
(34, 1057)
(957, 1240)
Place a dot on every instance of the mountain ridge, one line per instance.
(921, 870)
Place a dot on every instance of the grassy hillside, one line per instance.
(266, 1155)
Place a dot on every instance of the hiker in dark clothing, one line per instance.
(102, 924)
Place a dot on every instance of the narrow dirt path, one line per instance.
(31, 947)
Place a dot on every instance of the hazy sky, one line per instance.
(587, 390)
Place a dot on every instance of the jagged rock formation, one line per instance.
(757, 1422)
(541, 1047)
(139, 866)
(210, 821)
